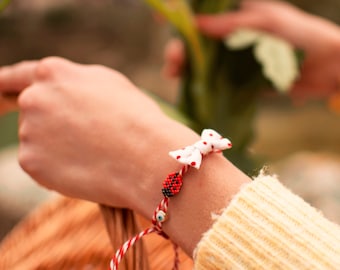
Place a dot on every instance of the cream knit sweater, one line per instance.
(268, 227)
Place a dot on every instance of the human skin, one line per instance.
(318, 38)
(88, 132)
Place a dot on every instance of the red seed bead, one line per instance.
(172, 184)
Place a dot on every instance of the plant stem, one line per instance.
(180, 15)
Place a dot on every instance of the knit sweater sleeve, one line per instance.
(268, 227)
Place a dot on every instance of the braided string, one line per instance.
(124, 248)
(191, 156)
(156, 228)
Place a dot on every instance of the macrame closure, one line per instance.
(190, 156)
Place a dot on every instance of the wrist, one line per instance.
(205, 191)
(157, 163)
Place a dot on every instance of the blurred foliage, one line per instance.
(8, 129)
(220, 85)
(60, 17)
(4, 4)
(108, 35)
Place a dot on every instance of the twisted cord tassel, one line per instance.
(125, 247)
(157, 227)
(176, 261)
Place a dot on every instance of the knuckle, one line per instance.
(25, 100)
(26, 162)
(29, 163)
(22, 133)
(107, 73)
(32, 166)
(47, 67)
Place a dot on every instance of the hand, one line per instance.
(87, 132)
(320, 40)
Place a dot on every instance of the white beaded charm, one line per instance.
(210, 142)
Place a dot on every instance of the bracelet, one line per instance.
(190, 156)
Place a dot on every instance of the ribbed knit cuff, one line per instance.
(268, 227)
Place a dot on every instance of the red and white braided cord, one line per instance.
(157, 227)
(124, 248)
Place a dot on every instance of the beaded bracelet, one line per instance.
(190, 156)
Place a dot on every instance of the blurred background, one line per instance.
(299, 143)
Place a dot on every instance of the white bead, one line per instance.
(160, 216)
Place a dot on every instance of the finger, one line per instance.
(174, 58)
(254, 14)
(277, 18)
(17, 77)
(291, 23)
(265, 5)
(219, 26)
(289, 27)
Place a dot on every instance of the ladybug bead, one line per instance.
(172, 184)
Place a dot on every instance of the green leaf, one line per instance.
(277, 57)
(279, 63)
(242, 39)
